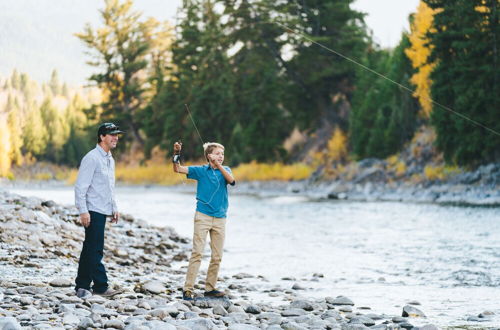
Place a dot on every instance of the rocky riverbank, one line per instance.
(40, 243)
(373, 181)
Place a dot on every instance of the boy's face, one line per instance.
(217, 155)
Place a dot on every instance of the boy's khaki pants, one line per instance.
(203, 225)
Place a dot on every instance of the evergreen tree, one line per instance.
(5, 143)
(261, 122)
(121, 46)
(57, 130)
(320, 81)
(35, 135)
(384, 115)
(54, 84)
(466, 78)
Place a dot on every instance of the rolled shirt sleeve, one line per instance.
(83, 181)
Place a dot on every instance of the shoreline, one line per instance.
(41, 242)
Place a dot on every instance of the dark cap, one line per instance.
(108, 128)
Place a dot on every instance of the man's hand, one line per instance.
(115, 217)
(85, 219)
(177, 148)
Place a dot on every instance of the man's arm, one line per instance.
(83, 181)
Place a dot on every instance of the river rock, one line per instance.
(427, 327)
(410, 311)
(197, 323)
(293, 312)
(363, 320)
(292, 326)
(242, 327)
(70, 319)
(219, 310)
(302, 304)
(9, 323)
(253, 309)
(85, 323)
(61, 282)
(297, 286)
(406, 325)
(212, 302)
(270, 317)
(115, 324)
(340, 300)
(155, 287)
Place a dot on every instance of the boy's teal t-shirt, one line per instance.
(211, 193)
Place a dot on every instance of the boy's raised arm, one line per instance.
(176, 165)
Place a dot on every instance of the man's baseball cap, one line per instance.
(108, 128)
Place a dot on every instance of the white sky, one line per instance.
(387, 18)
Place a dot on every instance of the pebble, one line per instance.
(410, 311)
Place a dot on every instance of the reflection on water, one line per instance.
(379, 254)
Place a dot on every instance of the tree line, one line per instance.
(249, 73)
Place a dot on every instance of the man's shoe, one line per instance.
(214, 293)
(187, 295)
(83, 293)
(109, 292)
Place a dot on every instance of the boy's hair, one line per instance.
(209, 147)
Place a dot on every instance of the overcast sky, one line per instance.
(37, 36)
(387, 18)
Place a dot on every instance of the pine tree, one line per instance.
(466, 79)
(54, 84)
(35, 135)
(121, 46)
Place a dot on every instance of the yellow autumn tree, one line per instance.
(5, 161)
(419, 53)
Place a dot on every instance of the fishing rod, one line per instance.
(177, 157)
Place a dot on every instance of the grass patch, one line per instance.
(266, 172)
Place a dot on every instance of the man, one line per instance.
(95, 200)
(210, 216)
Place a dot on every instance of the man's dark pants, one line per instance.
(90, 267)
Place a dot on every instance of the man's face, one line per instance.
(110, 140)
(218, 155)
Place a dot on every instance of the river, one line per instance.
(379, 254)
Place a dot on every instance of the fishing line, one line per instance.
(203, 143)
(383, 76)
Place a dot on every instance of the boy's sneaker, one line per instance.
(83, 293)
(214, 293)
(187, 295)
(109, 292)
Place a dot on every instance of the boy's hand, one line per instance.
(177, 148)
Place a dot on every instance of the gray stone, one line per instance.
(292, 326)
(115, 324)
(363, 320)
(9, 323)
(406, 325)
(293, 312)
(155, 287)
(331, 314)
(340, 300)
(410, 311)
(253, 309)
(302, 304)
(427, 327)
(270, 317)
(70, 319)
(235, 309)
(85, 323)
(159, 325)
(212, 302)
(164, 312)
(219, 310)
(242, 327)
(197, 324)
(297, 286)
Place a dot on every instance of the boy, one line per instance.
(210, 216)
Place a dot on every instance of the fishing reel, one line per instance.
(176, 158)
